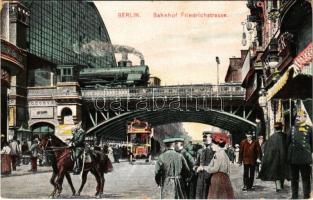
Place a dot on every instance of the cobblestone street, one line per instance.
(126, 181)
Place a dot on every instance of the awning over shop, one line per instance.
(279, 84)
(290, 86)
(296, 82)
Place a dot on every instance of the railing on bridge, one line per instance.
(145, 92)
(166, 91)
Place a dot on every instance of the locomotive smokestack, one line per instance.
(142, 62)
(124, 62)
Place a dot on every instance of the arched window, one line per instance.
(42, 128)
(67, 117)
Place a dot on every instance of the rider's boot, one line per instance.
(76, 167)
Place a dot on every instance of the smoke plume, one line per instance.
(99, 48)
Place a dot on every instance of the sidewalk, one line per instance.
(24, 170)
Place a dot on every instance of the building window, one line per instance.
(42, 128)
(67, 117)
(66, 75)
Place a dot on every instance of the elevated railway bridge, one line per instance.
(106, 111)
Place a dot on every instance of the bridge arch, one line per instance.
(116, 126)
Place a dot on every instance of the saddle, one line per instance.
(89, 156)
(85, 156)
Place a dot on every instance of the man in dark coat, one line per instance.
(116, 154)
(171, 170)
(204, 158)
(300, 148)
(248, 155)
(274, 162)
(230, 152)
(15, 152)
(190, 148)
(191, 181)
(259, 160)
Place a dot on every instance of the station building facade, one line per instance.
(39, 93)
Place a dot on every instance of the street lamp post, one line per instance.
(217, 71)
(263, 104)
(258, 127)
(244, 37)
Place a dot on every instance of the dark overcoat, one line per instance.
(300, 145)
(204, 158)
(274, 162)
(191, 182)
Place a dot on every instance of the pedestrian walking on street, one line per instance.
(15, 151)
(171, 170)
(237, 149)
(191, 181)
(259, 160)
(105, 149)
(40, 157)
(248, 155)
(34, 154)
(6, 158)
(274, 161)
(25, 153)
(230, 152)
(190, 148)
(116, 154)
(110, 152)
(204, 158)
(300, 148)
(219, 168)
(19, 155)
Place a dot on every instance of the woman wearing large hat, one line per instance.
(219, 167)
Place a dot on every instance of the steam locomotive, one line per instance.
(124, 75)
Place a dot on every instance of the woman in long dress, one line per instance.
(110, 154)
(219, 167)
(5, 159)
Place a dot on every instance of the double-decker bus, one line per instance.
(139, 139)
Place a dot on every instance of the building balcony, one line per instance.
(12, 58)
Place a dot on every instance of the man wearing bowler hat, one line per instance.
(249, 153)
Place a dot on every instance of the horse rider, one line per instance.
(78, 147)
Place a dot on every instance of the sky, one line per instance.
(178, 50)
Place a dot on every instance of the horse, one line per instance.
(62, 165)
